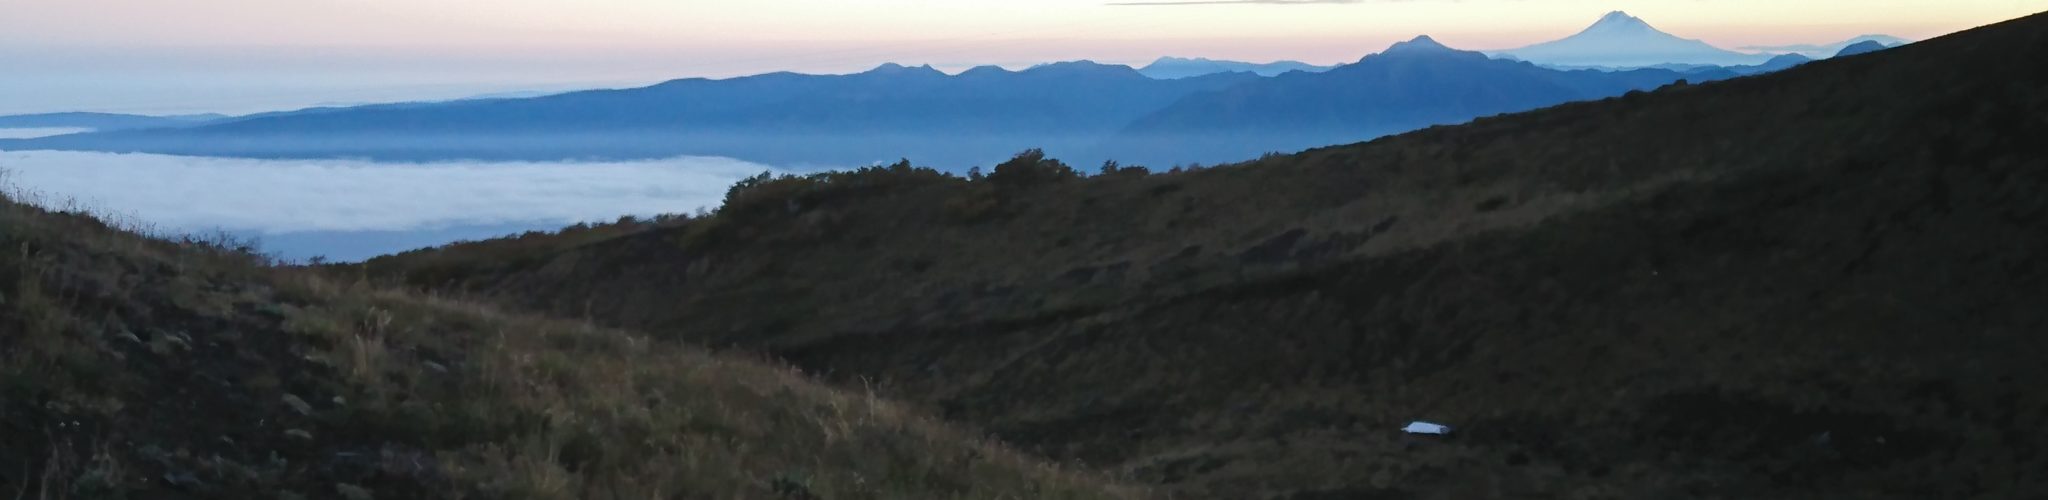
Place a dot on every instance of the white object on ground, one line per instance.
(1421, 427)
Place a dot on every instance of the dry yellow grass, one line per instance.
(150, 368)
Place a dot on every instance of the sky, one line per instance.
(240, 56)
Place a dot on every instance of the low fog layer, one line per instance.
(374, 207)
(31, 133)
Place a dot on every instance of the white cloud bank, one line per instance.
(289, 196)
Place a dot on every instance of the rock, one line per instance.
(183, 480)
(298, 405)
(1421, 427)
(164, 345)
(353, 492)
(152, 453)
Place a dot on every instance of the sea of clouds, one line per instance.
(31, 133)
(364, 208)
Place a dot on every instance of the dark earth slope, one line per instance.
(1820, 283)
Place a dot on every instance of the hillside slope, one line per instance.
(1816, 283)
(140, 368)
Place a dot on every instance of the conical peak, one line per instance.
(986, 69)
(1420, 44)
(1422, 48)
(898, 69)
(1619, 20)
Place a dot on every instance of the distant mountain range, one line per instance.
(1085, 111)
(1619, 40)
(1174, 67)
(893, 111)
(1173, 111)
(1411, 85)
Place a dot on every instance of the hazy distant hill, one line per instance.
(1175, 67)
(1619, 40)
(1819, 283)
(1823, 51)
(977, 117)
(1776, 63)
(1864, 47)
(104, 121)
(1083, 111)
(1411, 85)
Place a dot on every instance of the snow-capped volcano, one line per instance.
(1622, 40)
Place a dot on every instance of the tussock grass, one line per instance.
(149, 368)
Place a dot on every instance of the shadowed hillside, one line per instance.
(1817, 283)
(140, 368)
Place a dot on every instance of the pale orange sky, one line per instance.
(194, 55)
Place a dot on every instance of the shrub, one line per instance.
(972, 205)
(768, 193)
(1030, 168)
(1112, 168)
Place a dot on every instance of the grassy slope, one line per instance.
(142, 368)
(1821, 282)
